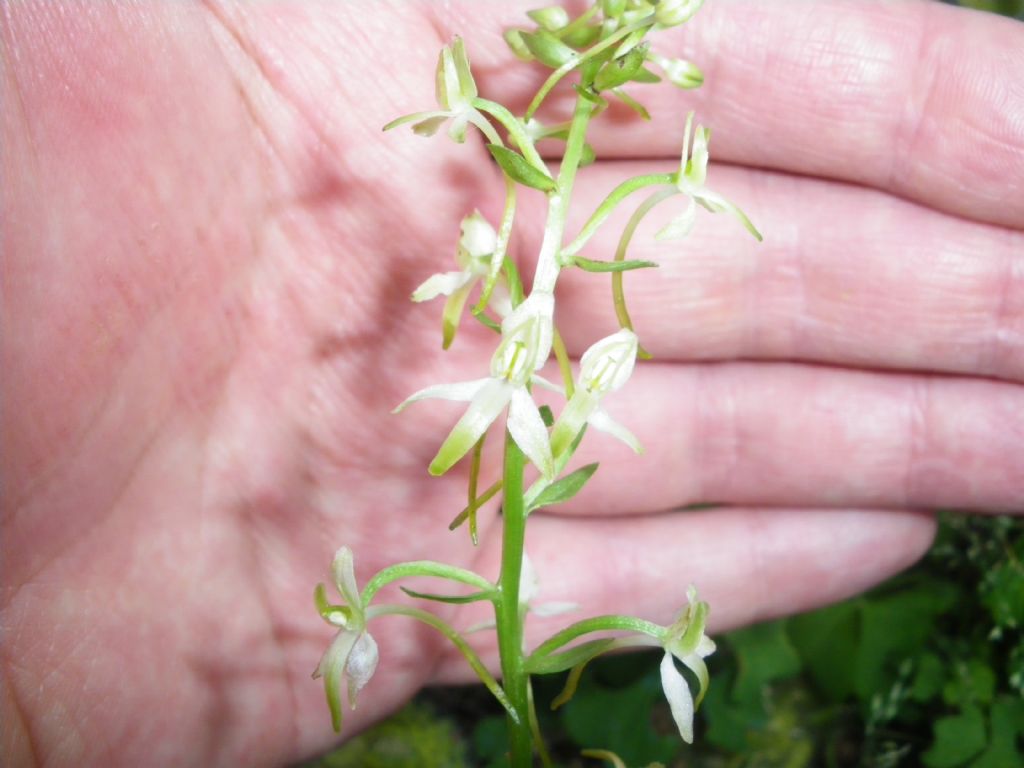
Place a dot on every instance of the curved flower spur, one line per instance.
(604, 48)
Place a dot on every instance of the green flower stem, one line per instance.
(501, 247)
(620, 193)
(611, 623)
(558, 202)
(509, 618)
(618, 293)
(570, 65)
(515, 129)
(423, 568)
(458, 641)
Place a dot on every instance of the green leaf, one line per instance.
(518, 169)
(595, 265)
(957, 739)
(564, 488)
(928, 678)
(1006, 722)
(973, 682)
(827, 642)
(763, 653)
(453, 599)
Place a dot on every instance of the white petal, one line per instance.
(331, 668)
(460, 392)
(478, 236)
(680, 226)
(441, 284)
(487, 403)
(529, 584)
(600, 419)
(543, 383)
(700, 669)
(554, 608)
(362, 663)
(715, 203)
(680, 700)
(527, 428)
(343, 568)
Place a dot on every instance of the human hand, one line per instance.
(208, 251)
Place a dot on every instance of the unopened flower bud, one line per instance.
(681, 73)
(672, 13)
(552, 18)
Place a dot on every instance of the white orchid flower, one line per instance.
(352, 654)
(477, 245)
(690, 179)
(526, 335)
(604, 368)
(455, 90)
(685, 640)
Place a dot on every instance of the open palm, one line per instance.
(208, 249)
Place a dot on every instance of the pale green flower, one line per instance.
(455, 90)
(526, 335)
(604, 368)
(477, 245)
(690, 180)
(685, 640)
(352, 654)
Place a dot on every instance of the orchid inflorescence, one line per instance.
(605, 48)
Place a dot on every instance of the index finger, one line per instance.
(916, 98)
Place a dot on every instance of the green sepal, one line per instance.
(452, 599)
(632, 103)
(564, 488)
(324, 606)
(547, 415)
(547, 48)
(587, 156)
(515, 283)
(552, 18)
(621, 70)
(581, 37)
(572, 657)
(596, 265)
(644, 75)
(518, 169)
(467, 85)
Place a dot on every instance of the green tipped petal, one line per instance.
(453, 314)
(441, 284)
(467, 85)
(332, 669)
(600, 420)
(488, 402)
(714, 202)
(460, 392)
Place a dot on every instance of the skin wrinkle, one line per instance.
(923, 80)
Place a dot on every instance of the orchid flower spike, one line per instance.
(477, 245)
(526, 335)
(604, 368)
(455, 90)
(352, 654)
(685, 640)
(690, 178)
